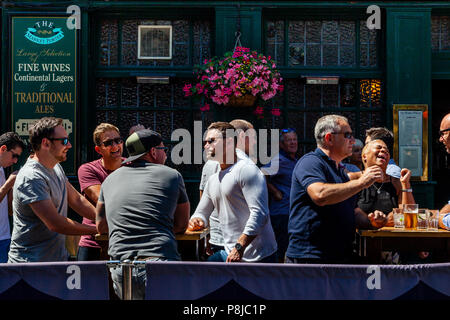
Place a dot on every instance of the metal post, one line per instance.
(127, 287)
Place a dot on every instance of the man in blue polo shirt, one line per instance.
(279, 176)
(322, 218)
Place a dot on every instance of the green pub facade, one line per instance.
(126, 62)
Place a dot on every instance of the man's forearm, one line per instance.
(331, 193)
(83, 207)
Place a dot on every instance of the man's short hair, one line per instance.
(326, 124)
(224, 128)
(102, 128)
(43, 128)
(240, 124)
(11, 140)
(381, 133)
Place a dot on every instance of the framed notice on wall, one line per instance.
(411, 139)
(44, 76)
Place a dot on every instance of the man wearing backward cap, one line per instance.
(141, 206)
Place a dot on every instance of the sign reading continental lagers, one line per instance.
(44, 76)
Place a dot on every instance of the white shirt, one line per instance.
(239, 193)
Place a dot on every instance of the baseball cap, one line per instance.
(140, 142)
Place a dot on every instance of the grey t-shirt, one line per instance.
(215, 230)
(31, 240)
(140, 202)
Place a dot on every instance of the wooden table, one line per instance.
(372, 242)
(198, 236)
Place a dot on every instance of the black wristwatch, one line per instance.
(239, 247)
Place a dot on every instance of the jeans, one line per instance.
(88, 254)
(280, 228)
(4, 249)
(138, 280)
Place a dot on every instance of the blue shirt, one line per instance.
(351, 167)
(324, 232)
(280, 175)
(446, 219)
(393, 169)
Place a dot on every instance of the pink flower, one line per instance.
(205, 108)
(187, 90)
(276, 112)
(258, 111)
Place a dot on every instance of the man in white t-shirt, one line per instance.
(11, 147)
(239, 193)
(246, 142)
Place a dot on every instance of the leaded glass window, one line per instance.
(440, 33)
(191, 42)
(360, 100)
(321, 43)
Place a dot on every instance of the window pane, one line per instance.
(330, 96)
(295, 92)
(313, 55)
(109, 42)
(330, 55)
(330, 32)
(275, 41)
(347, 32)
(129, 93)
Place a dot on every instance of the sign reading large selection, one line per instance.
(44, 76)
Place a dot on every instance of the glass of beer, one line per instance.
(410, 211)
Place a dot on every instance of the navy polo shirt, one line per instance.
(322, 232)
(281, 179)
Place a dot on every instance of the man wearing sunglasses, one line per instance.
(109, 145)
(11, 147)
(444, 138)
(322, 218)
(41, 195)
(239, 193)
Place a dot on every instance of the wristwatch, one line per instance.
(239, 247)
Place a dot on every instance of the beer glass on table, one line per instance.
(410, 211)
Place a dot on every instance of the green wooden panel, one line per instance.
(440, 65)
(408, 56)
(227, 23)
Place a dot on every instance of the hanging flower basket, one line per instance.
(236, 80)
(243, 101)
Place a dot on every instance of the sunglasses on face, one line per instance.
(162, 148)
(14, 155)
(210, 140)
(347, 135)
(110, 142)
(64, 141)
(442, 132)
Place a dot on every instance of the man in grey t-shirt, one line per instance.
(40, 198)
(141, 206)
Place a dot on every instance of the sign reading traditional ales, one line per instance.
(44, 76)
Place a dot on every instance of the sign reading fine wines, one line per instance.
(44, 76)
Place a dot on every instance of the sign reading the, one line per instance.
(44, 76)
